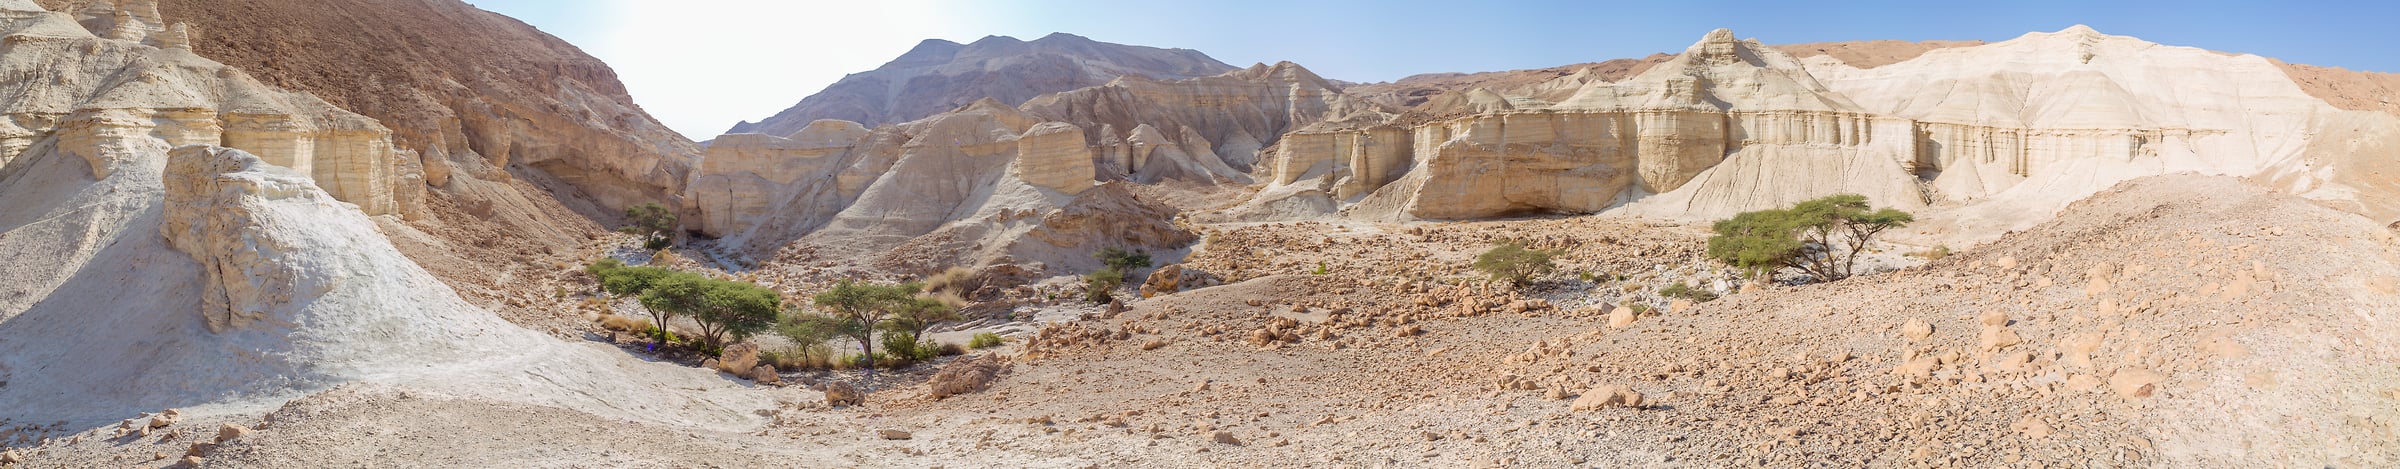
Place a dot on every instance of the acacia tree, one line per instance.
(858, 308)
(724, 309)
(1512, 262)
(1821, 238)
(654, 222)
(920, 313)
(620, 280)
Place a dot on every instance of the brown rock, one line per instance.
(229, 432)
(890, 434)
(1224, 438)
(738, 358)
(1619, 317)
(1916, 329)
(2135, 382)
(966, 376)
(1605, 396)
(765, 374)
(1164, 281)
(842, 394)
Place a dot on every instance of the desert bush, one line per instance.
(953, 285)
(952, 350)
(623, 324)
(1100, 287)
(1698, 295)
(1515, 264)
(986, 340)
(1935, 254)
(856, 310)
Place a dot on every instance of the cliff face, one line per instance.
(473, 92)
(2008, 132)
(940, 75)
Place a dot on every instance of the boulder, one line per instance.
(966, 376)
(739, 358)
(230, 432)
(842, 394)
(765, 374)
(1164, 281)
(1606, 396)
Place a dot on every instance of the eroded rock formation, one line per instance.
(2011, 130)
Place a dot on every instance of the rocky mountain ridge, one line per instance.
(940, 75)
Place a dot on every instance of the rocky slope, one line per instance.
(940, 75)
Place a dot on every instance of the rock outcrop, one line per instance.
(971, 175)
(2008, 132)
(472, 92)
(938, 76)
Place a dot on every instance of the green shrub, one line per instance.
(1698, 295)
(1514, 263)
(654, 244)
(1321, 269)
(906, 349)
(986, 340)
(653, 222)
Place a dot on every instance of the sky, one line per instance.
(699, 66)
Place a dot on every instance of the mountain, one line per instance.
(940, 75)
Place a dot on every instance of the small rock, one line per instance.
(890, 434)
(2135, 382)
(1916, 329)
(229, 432)
(11, 457)
(2033, 427)
(1605, 396)
(1225, 438)
(1620, 317)
(192, 461)
(200, 449)
(765, 374)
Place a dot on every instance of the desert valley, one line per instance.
(413, 233)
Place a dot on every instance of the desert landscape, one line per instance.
(414, 233)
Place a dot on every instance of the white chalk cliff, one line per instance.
(1991, 137)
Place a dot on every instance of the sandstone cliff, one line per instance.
(940, 75)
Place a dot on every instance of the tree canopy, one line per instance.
(1512, 262)
(1821, 238)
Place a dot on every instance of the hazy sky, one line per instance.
(701, 65)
